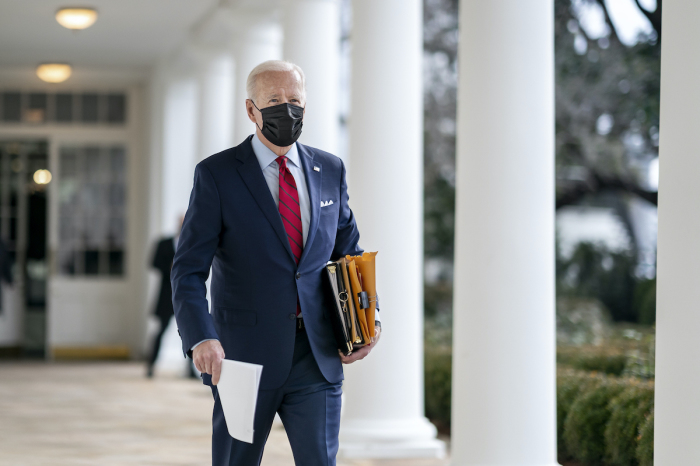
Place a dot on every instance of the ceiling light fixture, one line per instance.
(53, 72)
(76, 18)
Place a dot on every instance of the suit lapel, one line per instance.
(313, 183)
(255, 181)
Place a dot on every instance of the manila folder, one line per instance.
(238, 392)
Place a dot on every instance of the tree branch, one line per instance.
(599, 183)
(608, 21)
(654, 17)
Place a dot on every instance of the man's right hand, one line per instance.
(207, 359)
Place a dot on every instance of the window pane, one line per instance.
(92, 204)
(66, 260)
(89, 108)
(11, 106)
(116, 262)
(92, 262)
(37, 101)
(64, 107)
(116, 108)
(117, 236)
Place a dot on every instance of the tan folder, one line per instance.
(365, 265)
(356, 288)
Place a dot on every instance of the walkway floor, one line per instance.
(108, 414)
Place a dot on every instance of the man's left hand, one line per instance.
(362, 352)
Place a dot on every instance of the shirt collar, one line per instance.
(265, 156)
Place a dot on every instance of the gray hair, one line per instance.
(273, 65)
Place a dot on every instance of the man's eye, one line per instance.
(273, 100)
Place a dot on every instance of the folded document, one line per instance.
(238, 392)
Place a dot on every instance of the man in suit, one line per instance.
(260, 216)
(162, 262)
(5, 269)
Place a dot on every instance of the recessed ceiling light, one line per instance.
(76, 18)
(53, 72)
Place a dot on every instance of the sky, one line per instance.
(625, 15)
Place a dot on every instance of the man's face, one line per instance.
(274, 88)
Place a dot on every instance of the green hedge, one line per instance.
(628, 413)
(601, 419)
(438, 385)
(605, 420)
(569, 386)
(608, 360)
(645, 446)
(584, 427)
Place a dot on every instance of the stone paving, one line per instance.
(108, 414)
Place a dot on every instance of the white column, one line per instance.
(258, 39)
(179, 149)
(216, 104)
(677, 407)
(312, 41)
(503, 376)
(383, 414)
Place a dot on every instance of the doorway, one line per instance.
(24, 179)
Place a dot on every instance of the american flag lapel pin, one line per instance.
(316, 169)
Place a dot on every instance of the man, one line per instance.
(5, 269)
(260, 216)
(162, 262)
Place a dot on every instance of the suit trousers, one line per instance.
(308, 405)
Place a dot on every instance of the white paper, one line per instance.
(238, 392)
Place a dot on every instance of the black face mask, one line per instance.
(281, 123)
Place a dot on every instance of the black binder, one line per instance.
(341, 309)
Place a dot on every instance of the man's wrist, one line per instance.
(208, 339)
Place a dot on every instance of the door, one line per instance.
(24, 178)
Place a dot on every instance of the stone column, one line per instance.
(312, 41)
(257, 39)
(216, 103)
(503, 377)
(677, 407)
(384, 414)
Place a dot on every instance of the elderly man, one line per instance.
(259, 216)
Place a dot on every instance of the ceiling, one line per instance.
(128, 33)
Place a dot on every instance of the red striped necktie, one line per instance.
(290, 211)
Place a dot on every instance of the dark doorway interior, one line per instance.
(24, 179)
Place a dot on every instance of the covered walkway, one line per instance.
(108, 414)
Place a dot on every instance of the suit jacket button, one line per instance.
(298, 275)
(292, 316)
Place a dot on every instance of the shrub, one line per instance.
(438, 385)
(644, 301)
(645, 444)
(628, 414)
(570, 385)
(584, 426)
(601, 359)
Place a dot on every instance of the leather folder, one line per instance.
(351, 290)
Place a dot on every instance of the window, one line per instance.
(92, 216)
(90, 108)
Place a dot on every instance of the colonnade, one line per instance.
(504, 398)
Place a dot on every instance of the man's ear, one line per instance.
(250, 110)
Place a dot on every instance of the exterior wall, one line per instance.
(95, 310)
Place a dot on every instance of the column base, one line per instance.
(371, 438)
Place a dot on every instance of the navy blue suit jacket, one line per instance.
(233, 225)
